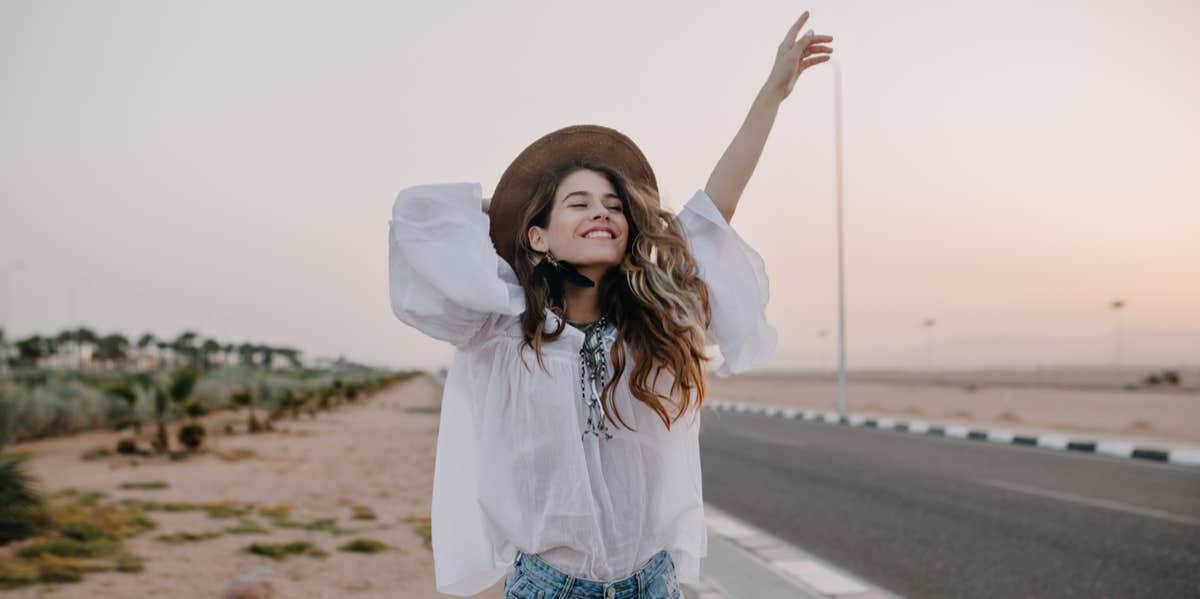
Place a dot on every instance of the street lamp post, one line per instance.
(1116, 305)
(928, 326)
(837, 124)
(841, 279)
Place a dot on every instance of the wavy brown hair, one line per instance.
(654, 297)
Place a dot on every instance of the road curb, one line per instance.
(754, 555)
(1121, 449)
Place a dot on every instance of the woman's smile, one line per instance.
(602, 233)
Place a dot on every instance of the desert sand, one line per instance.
(378, 453)
(1088, 407)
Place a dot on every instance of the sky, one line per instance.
(229, 167)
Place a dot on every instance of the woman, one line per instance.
(577, 473)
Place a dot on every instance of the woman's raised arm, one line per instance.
(733, 170)
(444, 275)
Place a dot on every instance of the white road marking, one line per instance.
(728, 527)
(825, 580)
(1052, 441)
(1186, 457)
(1093, 501)
(1115, 448)
(958, 432)
(1000, 436)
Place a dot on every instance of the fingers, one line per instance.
(791, 34)
(817, 50)
(808, 62)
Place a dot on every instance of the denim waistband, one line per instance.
(625, 588)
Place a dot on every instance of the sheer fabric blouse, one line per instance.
(511, 470)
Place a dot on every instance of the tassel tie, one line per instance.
(592, 377)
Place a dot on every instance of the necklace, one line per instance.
(593, 370)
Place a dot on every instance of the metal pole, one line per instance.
(837, 109)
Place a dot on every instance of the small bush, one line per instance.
(423, 528)
(283, 551)
(127, 562)
(56, 569)
(149, 484)
(67, 547)
(188, 537)
(82, 531)
(246, 527)
(363, 546)
(192, 435)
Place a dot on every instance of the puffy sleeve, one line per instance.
(445, 277)
(738, 288)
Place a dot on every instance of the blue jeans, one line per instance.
(533, 578)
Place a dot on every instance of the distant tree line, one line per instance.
(83, 349)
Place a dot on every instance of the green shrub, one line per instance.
(363, 546)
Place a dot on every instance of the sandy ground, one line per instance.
(378, 454)
(1152, 418)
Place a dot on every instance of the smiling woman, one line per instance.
(618, 299)
(586, 209)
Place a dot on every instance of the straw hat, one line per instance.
(576, 142)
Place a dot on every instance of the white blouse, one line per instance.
(511, 470)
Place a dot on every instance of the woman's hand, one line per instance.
(796, 55)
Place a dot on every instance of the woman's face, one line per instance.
(584, 203)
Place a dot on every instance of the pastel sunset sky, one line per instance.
(229, 167)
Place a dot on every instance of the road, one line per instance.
(941, 517)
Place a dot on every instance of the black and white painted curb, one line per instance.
(813, 577)
(1120, 449)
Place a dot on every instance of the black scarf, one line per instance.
(557, 272)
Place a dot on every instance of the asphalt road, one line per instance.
(942, 517)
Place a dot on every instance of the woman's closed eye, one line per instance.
(616, 207)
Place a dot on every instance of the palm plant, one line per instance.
(22, 507)
(183, 345)
(177, 391)
(126, 392)
(3, 351)
(264, 399)
(246, 353)
(145, 341)
(113, 349)
(183, 383)
(32, 350)
(245, 398)
(77, 338)
(166, 354)
(208, 348)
